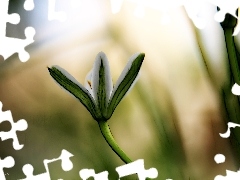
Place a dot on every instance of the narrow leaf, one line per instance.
(69, 83)
(125, 81)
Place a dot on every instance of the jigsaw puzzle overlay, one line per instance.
(220, 158)
(193, 9)
(9, 46)
(66, 164)
(7, 162)
(20, 125)
(136, 167)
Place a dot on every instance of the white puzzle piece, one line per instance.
(7, 162)
(66, 164)
(137, 167)
(9, 45)
(20, 125)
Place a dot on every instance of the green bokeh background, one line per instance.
(171, 118)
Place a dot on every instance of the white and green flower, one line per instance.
(99, 96)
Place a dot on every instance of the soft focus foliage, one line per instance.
(172, 117)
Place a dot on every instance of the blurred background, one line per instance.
(171, 118)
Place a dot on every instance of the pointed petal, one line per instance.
(125, 81)
(101, 81)
(68, 82)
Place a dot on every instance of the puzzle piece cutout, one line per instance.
(20, 125)
(87, 173)
(66, 164)
(227, 133)
(236, 88)
(28, 5)
(7, 162)
(8, 45)
(193, 9)
(28, 171)
(220, 158)
(229, 7)
(230, 175)
(137, 167)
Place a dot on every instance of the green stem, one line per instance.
(231, 50)
(106, 132)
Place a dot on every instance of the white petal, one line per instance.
(101, 57)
